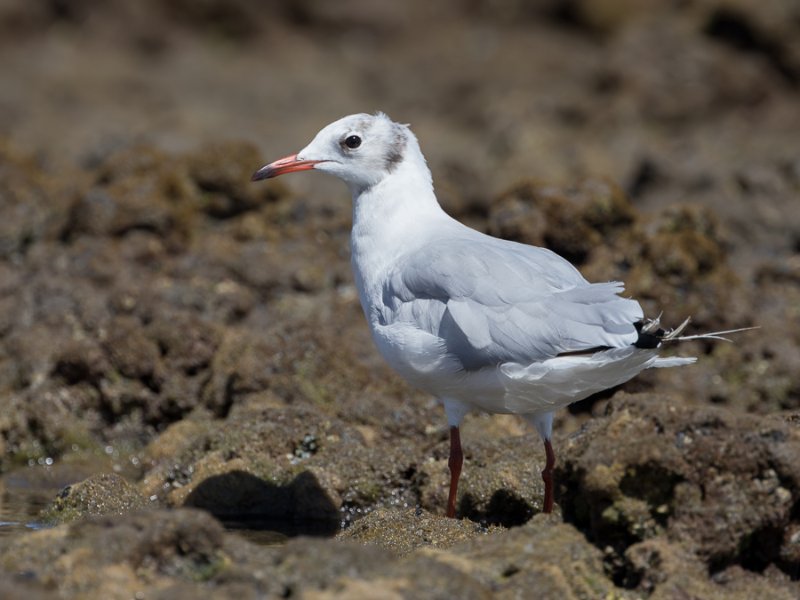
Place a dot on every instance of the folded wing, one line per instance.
(492, 302)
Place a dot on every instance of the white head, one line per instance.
(359, 149)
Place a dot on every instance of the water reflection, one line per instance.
(22, 498)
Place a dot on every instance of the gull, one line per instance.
(479, 322)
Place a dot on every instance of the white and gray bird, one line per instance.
(479, 322)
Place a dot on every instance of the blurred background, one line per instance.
(676, 100)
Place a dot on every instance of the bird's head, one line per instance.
(359, 149)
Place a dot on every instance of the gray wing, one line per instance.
(492, 301)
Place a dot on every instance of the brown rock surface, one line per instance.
(720, 485)
(200, 337)
(105, 494)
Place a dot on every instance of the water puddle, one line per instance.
(22, 498)
(274, 532)
(26, 491)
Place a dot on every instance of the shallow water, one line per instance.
(21, 500)
(271, 532)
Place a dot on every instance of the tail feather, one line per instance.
(651, 335)
(673, 361)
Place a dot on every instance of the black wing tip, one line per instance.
(648, 340)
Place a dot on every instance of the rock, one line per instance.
(180, 553)
(45, 425)
(718, 483)
(691, 79)
(500, 482)
(183, 553)
(81, 360)
(112, 557)
(544, 555)
(131, 352)
(664, 570)
(33, 209)
(572, 222)
(222, 173)
(106, 494)
(405, 530)
(286, 464)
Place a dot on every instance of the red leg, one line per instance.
(455, 462)
(547, 477)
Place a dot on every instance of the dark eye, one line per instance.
(352, 141)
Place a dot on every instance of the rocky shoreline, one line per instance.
(182, 353)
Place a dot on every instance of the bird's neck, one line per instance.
(393, 217)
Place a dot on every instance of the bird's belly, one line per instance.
(421, 359)
(418, 356)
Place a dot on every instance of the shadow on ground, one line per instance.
(242, 500)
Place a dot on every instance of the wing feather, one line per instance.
(492, 302)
